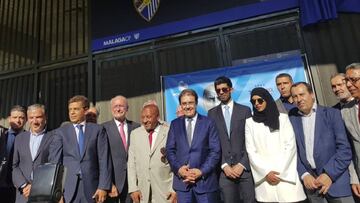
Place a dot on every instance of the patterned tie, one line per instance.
(81, 138)
(189, 130)
(122, 135)
(151, 137)
(227, 118)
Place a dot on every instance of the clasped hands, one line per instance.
(233, 171)
(189, 175)
(323, 182)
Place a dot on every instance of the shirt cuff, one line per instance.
(243, 166)
(223, 166)
(303, 175)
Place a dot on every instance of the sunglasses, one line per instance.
(259, 101)
(224, 89)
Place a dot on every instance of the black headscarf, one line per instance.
(270, 115)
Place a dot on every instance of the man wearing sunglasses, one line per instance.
(149, 173)
(236, 182)
(351, 117)
(283, 83)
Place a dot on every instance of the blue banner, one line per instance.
(244, 78)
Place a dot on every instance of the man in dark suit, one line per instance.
(236, 182)
(283, 84)
(30, 150)
(118, 130)
(17, 119)
(83, 149)
(324, 152)
(193, 151)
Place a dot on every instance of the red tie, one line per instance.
(150, 137)
(122, 134)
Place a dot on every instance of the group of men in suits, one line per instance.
(182, 162)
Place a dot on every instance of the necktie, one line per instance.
(81, 138)
(122, 135)
(227, 118)
(10, 142)
(150, 137)
(189, 130)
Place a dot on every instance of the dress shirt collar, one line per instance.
(82, 123)
(118, 122)
(230, 104)
(40, 133)
(313, 109)
(194, 118)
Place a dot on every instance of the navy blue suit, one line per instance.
(332, 152)
(93, 165)
(204, 153)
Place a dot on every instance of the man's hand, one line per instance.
(114, 192)
(185, 174)
(272, 178)
(100, 196)
(229, 172)
(195, 173)
(136, 196)
(238, 170)
(26, 190)
(172, 197)
(323, 181)
(309, 182)
(356, 189)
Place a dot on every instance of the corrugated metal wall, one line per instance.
(43, 39)
(44, 54)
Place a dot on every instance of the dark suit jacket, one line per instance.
(23, 165)
(118, 152)
(204, 153)
(332, 152)
(233, 149)
(94, 163)
(5, 173)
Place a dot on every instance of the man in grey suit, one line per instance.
(17, 120)
(83, 149)
(284, 82)
(350, 115)
(236, 182)
(118, 130)
(30, 150)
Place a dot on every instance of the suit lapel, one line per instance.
(197, 130)
(221, 119)
(87, 134)
(42, 144)
(298, 128)
(27, 144)
(355, 120)
(318, 127)
(116, 138)
(160, 137)
(73, 137)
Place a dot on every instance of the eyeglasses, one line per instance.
(259, 100)
(224, 89)
(352, 80)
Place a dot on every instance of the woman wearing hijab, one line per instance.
(271, 147)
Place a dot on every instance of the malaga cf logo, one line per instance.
(146, 8)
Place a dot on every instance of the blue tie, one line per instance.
(227, 119)
(81, 138)
(10, 142)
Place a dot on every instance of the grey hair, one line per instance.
(36, 106)
(352, 66)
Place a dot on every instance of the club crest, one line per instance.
(146, 8)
